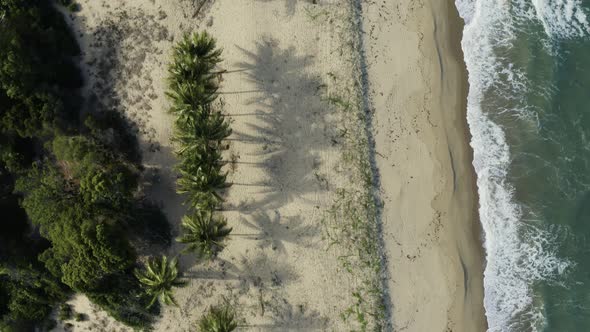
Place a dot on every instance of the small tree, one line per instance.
(197, 53)
(204, 233)
(201, 183)
(191, 74)
(199, 155)
(219, 319)
(188, 97)
(110, 186)
(206, 127)
(158, 277)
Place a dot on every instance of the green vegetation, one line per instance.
(69, 181)
(26, 293)
(70, 5)
(352, 222)
(219, 319)
(158, 277)
(200, 129)
(204, 233)
(65, 312)
(68, 184)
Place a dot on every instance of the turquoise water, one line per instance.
(529, 116)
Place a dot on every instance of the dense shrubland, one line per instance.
(74, 218)
(68, 181)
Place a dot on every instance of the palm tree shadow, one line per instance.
(117, 50)
(286, 317)
(263, 271)
(275, 231)
(292, 126)
(260, 271)
(290, 6)
(196, 8)
(219, 269)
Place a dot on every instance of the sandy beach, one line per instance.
(305, 254)
(417, 82)
(302, 256)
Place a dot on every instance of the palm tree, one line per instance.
(204, 128)
(219, 319)
(204, 233)
(201, 182)
(200, 46)
(210, 125)
(187, 97)
(199, 155)
(192, 79)
(206, 203)
(158, 277)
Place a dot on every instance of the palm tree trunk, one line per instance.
(203, 2)
(239, 92)
(225, 71)
(250, 184)
(218, 196)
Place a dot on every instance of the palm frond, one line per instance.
(204, 233)
(158, 277)
(219, 319)
(201, 183)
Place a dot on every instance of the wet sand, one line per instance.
(418, 87)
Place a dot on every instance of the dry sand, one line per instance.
(297, 147)
(300, 208)
(417, 83)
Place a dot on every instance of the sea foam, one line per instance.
(518, 253)
(562, 18)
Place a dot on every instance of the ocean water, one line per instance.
(529, 116)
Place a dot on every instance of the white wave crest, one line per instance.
(518, 253)
(562, 18)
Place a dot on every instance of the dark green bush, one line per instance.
(75, 183)
(112, 130)
(125, 301)
(149, 225)
(65, 312)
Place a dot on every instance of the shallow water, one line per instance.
(529, 115)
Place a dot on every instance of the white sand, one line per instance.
(278, 270)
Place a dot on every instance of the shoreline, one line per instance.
(473, 239)
(433, 244)
(414, 84)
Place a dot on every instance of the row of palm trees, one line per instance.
(199, 127)
(199, 130)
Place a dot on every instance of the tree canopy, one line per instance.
(68, 187)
